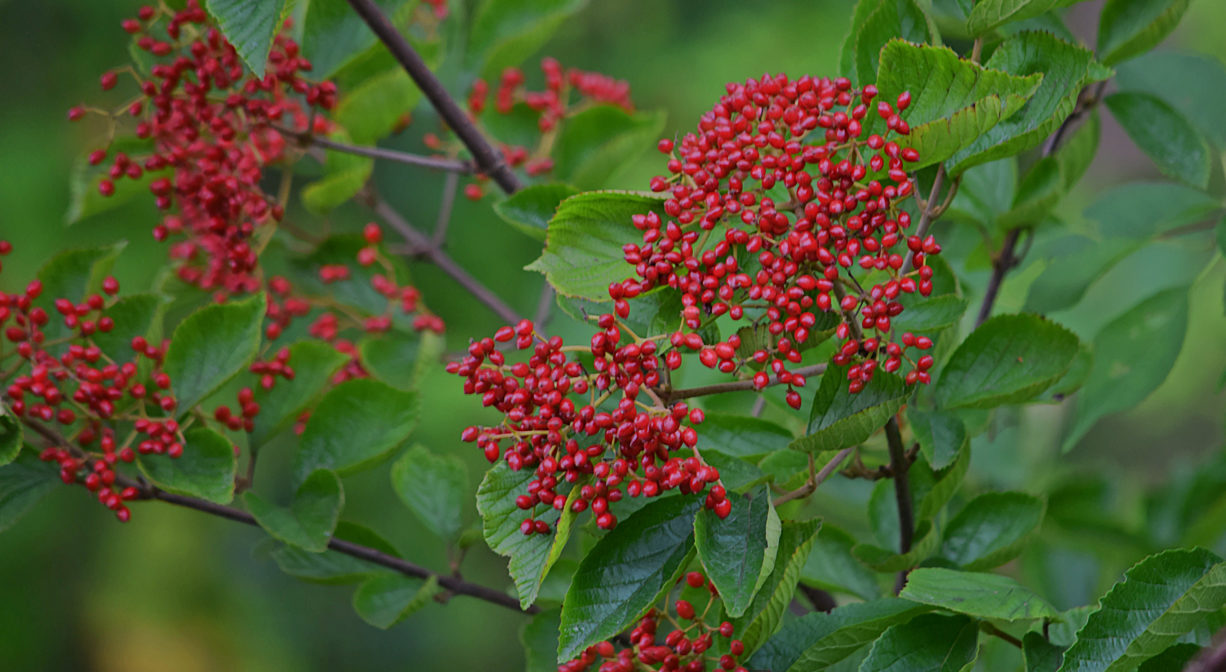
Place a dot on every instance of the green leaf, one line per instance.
(505, 32)
(400, 358)
(1078, 152)
(1040, 190)
(1073, 379)
(1079, 262)
(820, 639)
(249, 25)
(1178, 149)
(839, 419)
(766, 612)
(832, 567)
(987, 192)
(990, 596)
(930, 314)
(385, 599)
(737, 474)
(933, 489)
(1141, 210)
(354, 426)
(1161, 598)
(23, 482)
(313, 363)
(992, 529)
(531, 556)
(539, 638)
(989, 14)
(531, 208)
(627, 572)
(941, 436)
(1194, 84)
(1009, 359)
(311, 518)
(847, 52)
(1175, 657)
(743, 436)
(739, 551)
(954, 101)
(134, 315)
(212, 346)
(344, 176)
(333, 567)
(595, 144)
(333, 34)
(583, 246)
(73, 275)
(1041, 655)
(924, 542)
(370, 109)
(84, 199)
(891, 19)
(1063, 66)
(1129, 28)
(1132, 356)
(929, 643)
(10, 436)
(434, 487)
(205, 469)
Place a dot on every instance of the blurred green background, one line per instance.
(178, 590)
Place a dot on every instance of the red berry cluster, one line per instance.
(687, 647)
(568, 422)
(210, 129)
(779, 209)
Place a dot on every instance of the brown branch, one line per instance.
(814, 480)
(308, 139)
(488, 158)
(670, 396)
(899, 464)
(1212, 658)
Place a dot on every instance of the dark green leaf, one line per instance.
(992, 529)
(434, 487)
(1040, 654)
(1178, 149)
(941, 436)
(975, 594)
(928, 643)
(1132, 356)
(531, 208)
(930, 314)
(333, 34)
(1175, 657)
(743, 436)
(134, 315)
(1009, 359)
(1161, 598)
(539, 637)
(739, 551)
(1079, 261)
(205, 469)
(766, 612)
(1128, 28)
(354, 426)
(989, 14)
(385, 599)
(400, 358)
(1073, 379)
(839, 419)
(505, 32)
(598, 142)
(210, 347)
(735, 473)
(831, 566)
(933, 489)
(313, 363)
(583, 246)
(1194, 84)
(891, 19)
(23, 482)
(333, 567)
(626, 572)
(819, 639)
(924, 543)
(10, 436)
(311, 518)
(249, 25)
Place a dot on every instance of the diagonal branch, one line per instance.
(308, 139)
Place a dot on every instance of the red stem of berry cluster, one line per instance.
(487, 157)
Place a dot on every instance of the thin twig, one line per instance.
(450, 165)
(927, 215)
(814, 480)
(450, 186)
(902, 493)
(997, 632)
(544, 306)
(670, 396)
(488, 158)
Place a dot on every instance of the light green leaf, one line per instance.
(941, 436)
(989, 14)
(1194, 84)
(314, 363)
(1132, 356)
(583, 246)
(386, 599)
(23, 482)
(505, 32)
(401, 358)
(212, 346)
(1079, 150)
(989, 596)
(891, 19)
(930, 314)
(1129, 28)
(369, 110)
(1178, 149)
(355, 425)
(1079, 262)
(344, 176)
(626, 572)
(434, 487)
(531, 208)
(205, 469)
(1142, 210)
(1009, 359)
(992, 529)
(1161, 598)
(839, 419)
(10, 436)
(766, 612)
(739, 551)
(333, 567)
(595, 144)
(249, 25)
(929, 643)
(311, 518)
(821, 639)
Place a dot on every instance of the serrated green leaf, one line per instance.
(1009, 359)
(743, 436)
(924, 543)
(1175, 146)
(941, 436)
(400, 358)
(73, 275)
(212, 346)
(434, 487)
(249, 25)
(766, 612)
(309, 521)
(1128, 28)
(1132, 356)
(595, 144)
(333, 567)
(84, 199)
(505, 32)
(930, 314)
(991, 529)
(355, 425)
(1194, 84)
(1141, 210)
(333, 34)
(386, 599)
(531, 208)
(954, 101)
(205, 469)
(583, 246)
(1079, 263)
(626, 572)
(23, 482)
(820, 639)
(313, 363)
(891, 19)
(989, 14)
(832, 567)
(134, 315)
(1161, 598)
(738, 552)
(839, 419)
(977, 594)
(928, 643)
